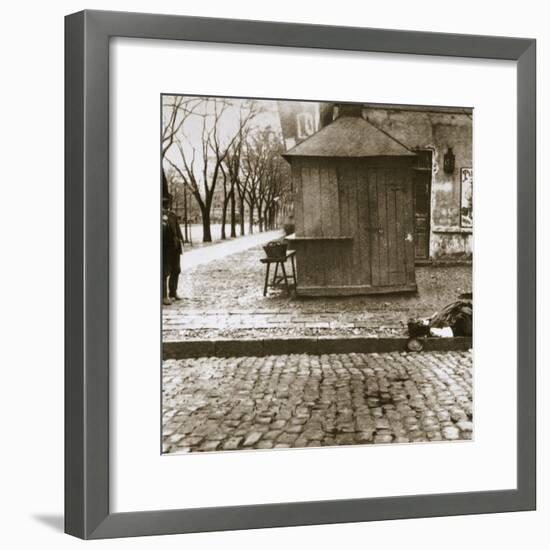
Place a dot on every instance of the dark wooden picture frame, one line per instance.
(87, 512)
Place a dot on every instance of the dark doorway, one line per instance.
(422, 186)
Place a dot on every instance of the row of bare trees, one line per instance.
(215, 145)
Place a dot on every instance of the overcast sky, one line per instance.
(191, 131)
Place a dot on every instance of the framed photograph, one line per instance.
(271, 271)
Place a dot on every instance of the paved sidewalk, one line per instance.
(192, 258)
(224, 299)
(214, 404)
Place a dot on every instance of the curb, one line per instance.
(314, 346)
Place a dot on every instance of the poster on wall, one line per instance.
(466, 196)
(298, 120)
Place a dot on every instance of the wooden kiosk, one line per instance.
(353, 210)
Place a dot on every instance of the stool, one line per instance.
(284, 277)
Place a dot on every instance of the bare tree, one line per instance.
(225, 200)
(180, 204)
(175, 111)
(267, 179)
(241, 183)
(254, 167)
(232, 171)
(236, 186)
(200, 160)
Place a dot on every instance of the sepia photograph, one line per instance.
(316, 274)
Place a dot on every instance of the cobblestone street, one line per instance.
(215, 404)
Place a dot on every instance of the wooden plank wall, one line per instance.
(298, 202)
(362, 247)
(318, 199)
(328, 201)
(409, 221)
(372, 224)
(345, 197)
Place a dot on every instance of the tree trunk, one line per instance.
(260, 218)
(267, 218)
(224, 219)
(233, 214)
(185, 221)
(164, 184)
(206, 232)
(250, 220)
(241, 214)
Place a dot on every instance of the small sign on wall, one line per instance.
(466, 197)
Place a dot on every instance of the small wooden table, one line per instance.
(284, 277)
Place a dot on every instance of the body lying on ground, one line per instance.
(456, 318)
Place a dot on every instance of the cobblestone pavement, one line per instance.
(216, 404)
(224, 299)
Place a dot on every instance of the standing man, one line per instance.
(172, 247)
